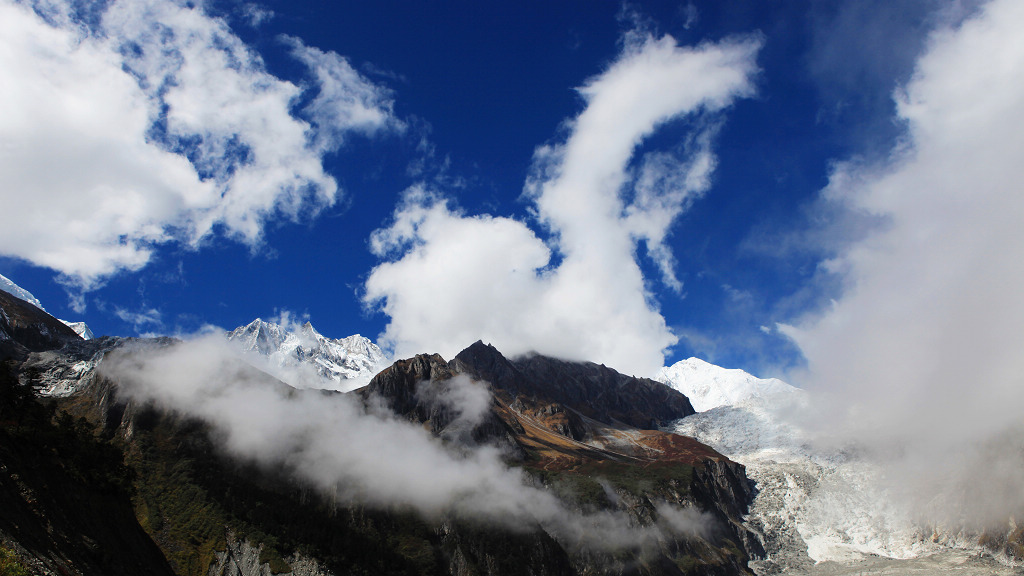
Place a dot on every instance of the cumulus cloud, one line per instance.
(382, 460)
(154, 123)
(452, 278)
(922, 351)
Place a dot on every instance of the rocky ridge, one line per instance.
(25, 328)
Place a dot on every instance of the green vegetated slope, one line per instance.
(66, 494)
(189, 495)
(10, 565)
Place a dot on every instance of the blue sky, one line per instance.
(316, 157)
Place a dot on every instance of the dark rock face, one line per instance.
(475, 550)
(415, 389)
(722, 486)
(65, 495)
(398, 383)
(25, 328)
(539, 400)
(593, 390)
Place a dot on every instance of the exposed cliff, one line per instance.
(24, 328)
(578, 429)
(593, 390)
(65, 495)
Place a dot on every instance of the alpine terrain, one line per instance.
(820, 509)
(302, 357)
(157, 456)
(239, 455)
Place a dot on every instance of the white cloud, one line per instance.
(158, 125)
(256, 15)
(141, 318)
(459, 278)
(923, 348)
(346, 101)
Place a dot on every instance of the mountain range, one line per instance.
(302, 357)
(570, 451)
(299, 454)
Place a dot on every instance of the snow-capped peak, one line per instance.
(302, 357)
(80, 328)
(18, 292)
(709, 386)
(259, 336)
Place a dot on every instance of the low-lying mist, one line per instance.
(356, 453)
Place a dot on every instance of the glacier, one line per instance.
(709, 386)
(820, 508)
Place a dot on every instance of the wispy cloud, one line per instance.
(155, 123)
(139, 319)
(256, 15)
(455, 278)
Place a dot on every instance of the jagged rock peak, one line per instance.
(485, 362)
(591, 389)
(409, 371)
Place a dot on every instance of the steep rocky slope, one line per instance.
(65, 494)
(581, 429)
(24, 328)
(19, 293)
(167, 482)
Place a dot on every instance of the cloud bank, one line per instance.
(153, 123)
(922, 352)
(369, 456)
(452, 278)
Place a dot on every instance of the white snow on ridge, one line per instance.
(80, 328)
(18, 292)
(13, 289)
(304, 358)
(709, 386)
